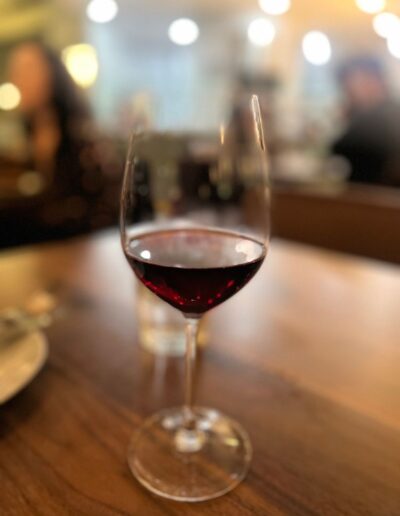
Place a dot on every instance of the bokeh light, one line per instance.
(275, 7)
(261, 32)
(10, 96)
(386, 24)
(81, 62)
(316, 48)
(183, 31)
(102, 11)
(393, 44)
(371, 6)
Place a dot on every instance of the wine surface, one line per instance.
(194, 270)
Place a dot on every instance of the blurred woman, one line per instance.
(62, 149)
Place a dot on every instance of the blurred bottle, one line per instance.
(161, 327)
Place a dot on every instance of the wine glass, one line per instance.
(195, 229)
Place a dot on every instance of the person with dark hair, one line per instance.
(62, 147)
(371, 140)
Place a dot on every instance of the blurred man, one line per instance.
(371, 141)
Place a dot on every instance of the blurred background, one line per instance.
(77, 75)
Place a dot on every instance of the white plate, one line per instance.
(20, 361)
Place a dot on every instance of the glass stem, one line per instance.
(192, 326)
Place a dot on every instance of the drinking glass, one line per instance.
(195, 230)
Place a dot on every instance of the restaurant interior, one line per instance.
(306, 357)
(311, 66)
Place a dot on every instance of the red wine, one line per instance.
(194, 270)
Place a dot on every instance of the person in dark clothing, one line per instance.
(371, 140)
(63, 149)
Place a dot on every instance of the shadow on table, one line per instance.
(19, 409)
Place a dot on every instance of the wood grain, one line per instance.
(307, 357)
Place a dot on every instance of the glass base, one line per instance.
(192, 465)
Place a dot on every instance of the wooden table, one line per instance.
(307, 357)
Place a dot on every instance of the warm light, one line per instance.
(30, 183)
(386, 24)
(371, 6)
(81, 63)
(393, 44)
(222, 133)
(261, 32)
(183, 31)
(10, 96)
(275, 7)
(102, 11)
(316, 48)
